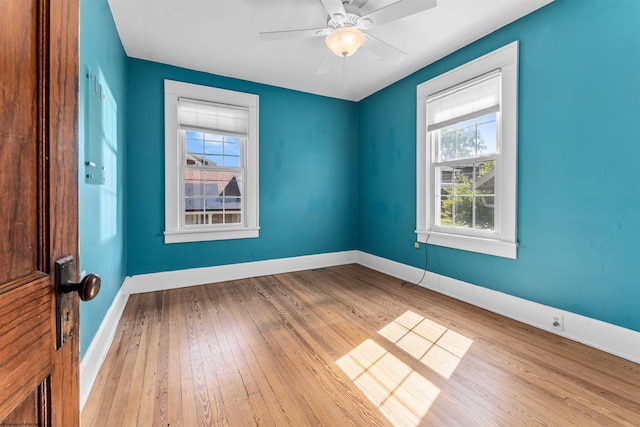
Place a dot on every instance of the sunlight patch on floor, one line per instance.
(403, 395)
(438, 347)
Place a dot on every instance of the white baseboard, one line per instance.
(198, 276)
(604, 336)
(97, 351)
(594, 333)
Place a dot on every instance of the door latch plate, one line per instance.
(65, 313)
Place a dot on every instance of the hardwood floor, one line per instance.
(346, 346)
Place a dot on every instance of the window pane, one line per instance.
(486, 135)
(192, 159)
(232, 145)
(232, 203)
(217, 218)
(195, 150)
(462, 178)
(463, 211)
(192, 134)
(194, 201)
(446, 210)
(232, 161)
(468, 139)
(192, 189)
(193, 204)
(447, 149)
(463, 195)
(213, 137)
(212, 197)
(457, 142)
(485, 177)
(216, 160)
(444, 191)
(194, 146)
(485, 212)
(211, 147)
(232, 218)
(232, 152)
(446, 180)
(194, 142)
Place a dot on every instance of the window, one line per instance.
(211, 163)
(467, 156)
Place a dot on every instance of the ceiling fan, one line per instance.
(346, 32)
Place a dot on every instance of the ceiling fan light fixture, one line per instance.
(345, 41)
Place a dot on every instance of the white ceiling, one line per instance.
(221, 37)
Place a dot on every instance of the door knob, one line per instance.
(88, 287)
(66, 304)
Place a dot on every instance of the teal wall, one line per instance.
(102, 210)
(578, 207)
(337, 175)
(307, 158)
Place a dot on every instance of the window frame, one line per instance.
(175, 229)
(503, 241)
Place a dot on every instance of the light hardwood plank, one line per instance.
(347, 346)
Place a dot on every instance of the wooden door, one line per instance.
(38, 208)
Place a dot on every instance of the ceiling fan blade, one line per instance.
(294, 34)
(334, 7)
(325, 64)
(397, 10)
(383, 50)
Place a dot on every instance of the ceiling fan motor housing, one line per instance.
(338, 20)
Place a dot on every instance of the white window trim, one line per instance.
(504, 242)
(174, 231)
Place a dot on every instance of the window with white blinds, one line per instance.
(466, 156)
(211, 163)
(212, 117)
(477, 98)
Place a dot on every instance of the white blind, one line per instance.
(208, 116)
(469, 100)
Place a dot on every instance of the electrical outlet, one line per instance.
(416, 245)
(558, 322)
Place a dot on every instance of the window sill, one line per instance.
(183, 236)
(470, 243)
